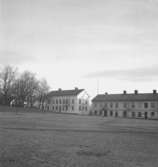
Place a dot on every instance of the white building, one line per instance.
(69, 101)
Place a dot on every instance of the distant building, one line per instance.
(137, 105)
(68, 101)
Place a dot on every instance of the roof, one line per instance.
(126, 97)
(73, 92)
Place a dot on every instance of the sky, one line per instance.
(99, 45)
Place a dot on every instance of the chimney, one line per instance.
(154, 91)
(59, 89)
(106, 93)
(124, 92)
(76, 88)
(136, 92)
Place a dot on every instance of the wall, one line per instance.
(126, 109)
(79, 108)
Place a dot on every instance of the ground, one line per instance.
(32, 139)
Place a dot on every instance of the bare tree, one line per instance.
(7, 78)
(43, 89)
(25, 87)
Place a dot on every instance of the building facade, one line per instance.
(136, 105)
(68, 101)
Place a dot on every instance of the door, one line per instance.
(146, 115)
(125, 114)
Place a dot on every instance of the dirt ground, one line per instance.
(32, 139)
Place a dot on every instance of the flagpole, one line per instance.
(97, 86)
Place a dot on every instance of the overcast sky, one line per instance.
(83, 43)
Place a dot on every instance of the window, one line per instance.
(133, 105)
(79, 101)
(72, 108)
(111, 105)
(60, 101)
(79, 108)
(72, 101)
(111, 113)
(152, 105)
(67, 101)
(56, 107)
(63, 101)
(139, 114)
(86, 108)
(145, 105)
(116, 105)
(152, 114)
(95, 105)
(100, 112)
(56, 101)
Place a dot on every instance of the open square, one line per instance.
(31, 139)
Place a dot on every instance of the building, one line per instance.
(68, 101)
(136, 105)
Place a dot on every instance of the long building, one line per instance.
(136, 105)
(69, 101)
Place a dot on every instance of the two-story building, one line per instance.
(136, 105)
(69, 101)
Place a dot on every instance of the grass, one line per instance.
(32, 139)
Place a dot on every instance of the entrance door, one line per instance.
(124, 113)
(105, 113)
(95, 112)
(133, 114)
(146, 115)
(116, 114)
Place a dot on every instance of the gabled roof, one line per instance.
(126, 97)
(73, 92)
